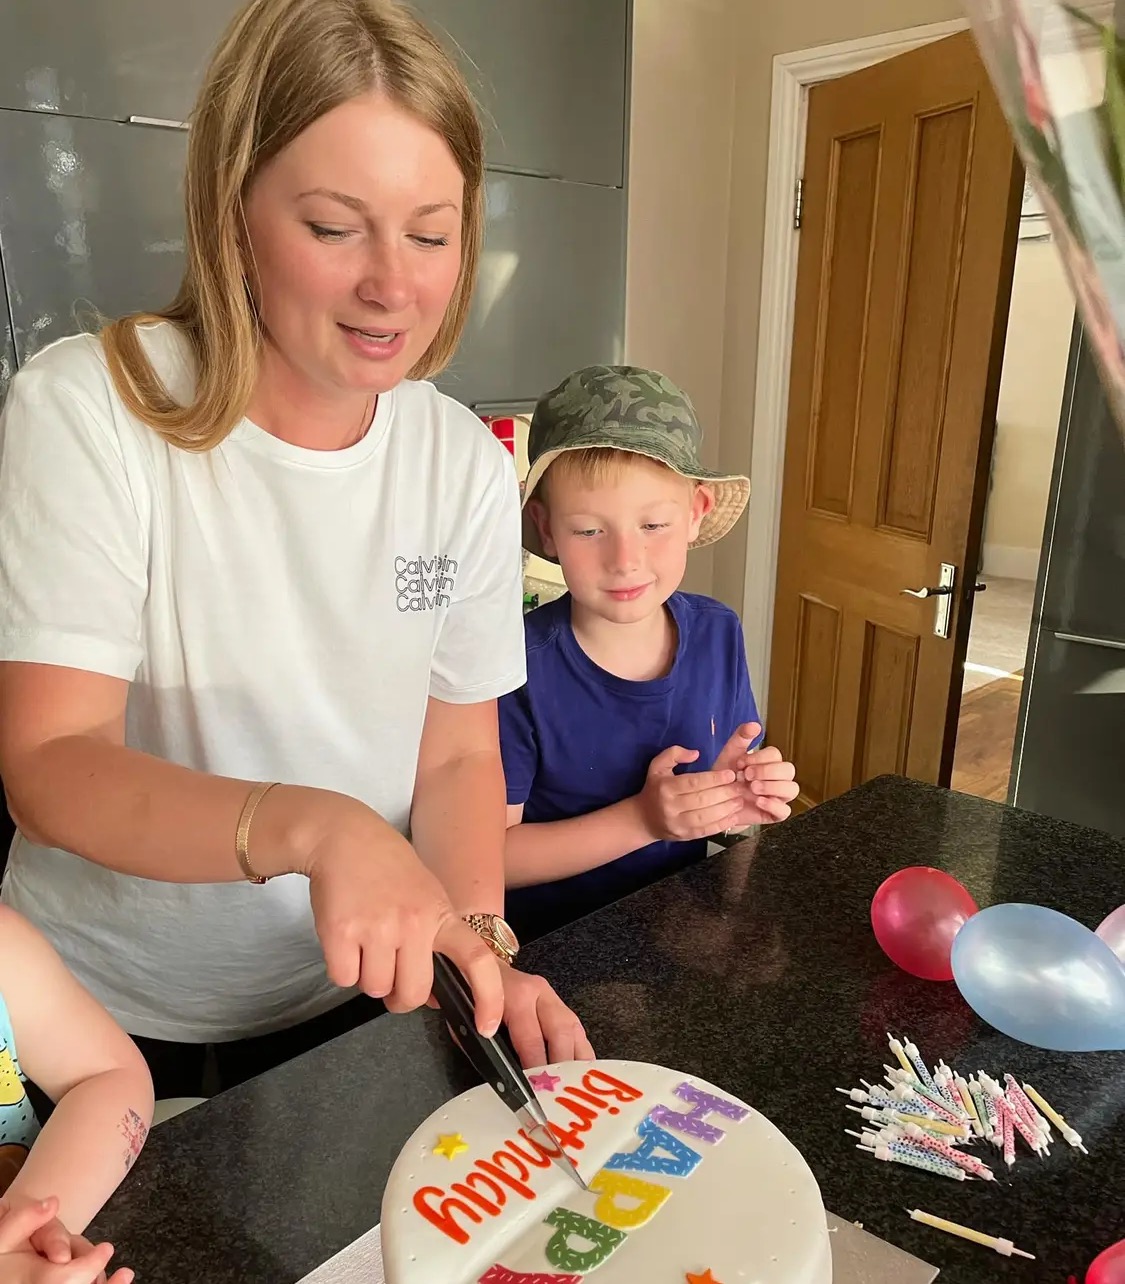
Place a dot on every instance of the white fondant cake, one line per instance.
(687, 1184)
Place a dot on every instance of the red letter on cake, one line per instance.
(498, 1165)
(442, 1217)
(605, 1085)
(570, 1225)
(703, 1104)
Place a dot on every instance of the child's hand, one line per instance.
(769, 787)
(21, 1225)
(692, 805)
(733, 753)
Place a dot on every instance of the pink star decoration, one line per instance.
(544, 1082)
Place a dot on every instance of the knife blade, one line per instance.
(496, 1062)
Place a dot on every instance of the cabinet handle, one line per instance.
(502, 407)
(522, 171)
(1112, 643)
(155, 122)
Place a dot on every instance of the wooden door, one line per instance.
(911, 200)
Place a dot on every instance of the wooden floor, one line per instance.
(986, 732)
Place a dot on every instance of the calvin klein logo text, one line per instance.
(424, 583)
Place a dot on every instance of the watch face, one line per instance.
(505, 935)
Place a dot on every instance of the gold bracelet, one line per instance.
(242, 837)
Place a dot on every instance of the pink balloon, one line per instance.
(1108, 1267)
(1112, 931)
(916, 914)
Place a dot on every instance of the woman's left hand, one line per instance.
(543, 1029)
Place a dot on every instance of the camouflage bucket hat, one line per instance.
(627, 408)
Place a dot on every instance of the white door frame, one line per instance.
(793, 75)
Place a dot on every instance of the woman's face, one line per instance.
(355, 239)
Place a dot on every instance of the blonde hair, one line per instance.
(281, 65)
(595, 466)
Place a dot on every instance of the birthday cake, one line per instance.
(687, 1184)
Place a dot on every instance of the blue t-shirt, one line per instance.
(576, 739)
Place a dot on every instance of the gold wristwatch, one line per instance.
(496, 934)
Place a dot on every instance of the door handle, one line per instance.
(943, 591)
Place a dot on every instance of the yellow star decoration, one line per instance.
(705, 1278)
(452, 1144)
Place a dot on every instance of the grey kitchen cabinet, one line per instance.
(91, 217)
(108, 58)
(550, 296)
(551, 78)
(550, 75)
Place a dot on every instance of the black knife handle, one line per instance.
(493, 1059)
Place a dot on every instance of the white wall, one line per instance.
(681, 133)
(1027, 417)
(685, 57)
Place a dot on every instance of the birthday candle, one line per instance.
(981, 1109)
(920, 1097)
(1069, 1135)
(897, 1153)
(907, 1087)
(883, 1100)
(1030, 1117)
(1033, 1138)
(1003, 1246)
(943, 1077)
(910, 1096)
(970, 1106)
(900, 1055)
(933, 1125)
(995, 1126)
(924, 1076)
(1008, 1135)
(871, 1137)
(1019, 1099)
(968, 1162)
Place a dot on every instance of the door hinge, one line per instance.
(798, 204)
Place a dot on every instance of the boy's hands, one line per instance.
(28, 1223)
(742, 788)
(690, 806)
(770, 782)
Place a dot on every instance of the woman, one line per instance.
(259, 588)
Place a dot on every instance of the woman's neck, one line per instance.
(291, 408)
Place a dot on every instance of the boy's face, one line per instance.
(622, 543)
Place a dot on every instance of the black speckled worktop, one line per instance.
(756, 970)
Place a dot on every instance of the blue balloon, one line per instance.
(1042, 978)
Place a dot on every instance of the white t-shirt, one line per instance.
(282, 614)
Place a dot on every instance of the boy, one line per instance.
(628, 679)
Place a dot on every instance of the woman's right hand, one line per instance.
(381, 915)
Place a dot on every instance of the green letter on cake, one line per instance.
(561, 1253)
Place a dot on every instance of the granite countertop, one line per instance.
(756, 970)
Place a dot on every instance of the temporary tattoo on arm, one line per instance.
(133, 1129)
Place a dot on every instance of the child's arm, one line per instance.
(74, 1051)
(671, 807)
